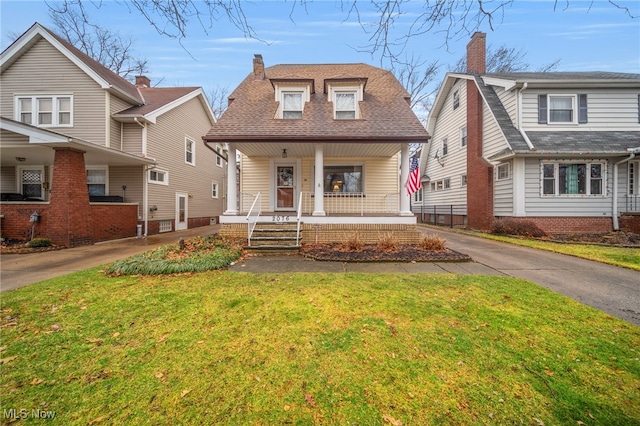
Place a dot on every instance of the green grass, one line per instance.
(231, 348)
(618, 256)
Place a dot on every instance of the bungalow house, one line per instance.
(322, 146)
(560, 149)
(86, 156)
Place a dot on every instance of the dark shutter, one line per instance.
(542, 109)
(582, 108)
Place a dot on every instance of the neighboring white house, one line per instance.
(95, 156)
(560, 149)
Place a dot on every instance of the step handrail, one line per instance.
(252, 217)
(298, 219)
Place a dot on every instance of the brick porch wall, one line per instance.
(630, 223)
(331, 233)
(16, 225)
(113, 221)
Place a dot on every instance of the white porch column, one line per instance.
(405, 201)
(318, 190)
(232, 187)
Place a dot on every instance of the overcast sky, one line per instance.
(599, 38)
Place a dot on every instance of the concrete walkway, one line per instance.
(609, 288)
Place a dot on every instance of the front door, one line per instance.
(181, 211)
(285, 187)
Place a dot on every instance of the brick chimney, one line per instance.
(479, 170)
(143, 81)
(258, 67)
(477, 54)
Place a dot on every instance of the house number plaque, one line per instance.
(279, 219)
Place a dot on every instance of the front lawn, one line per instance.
(231, 348)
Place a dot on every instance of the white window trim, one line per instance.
(463, 180)
(19, 170)
(445, 142)
(215, 185)
(633, 178)
(188, 139)
(218, 158)
(464, 136)
(106, 176)
(303, 88)
(574, 108)
(347, 164)
(34, 109)
(501, 166)
(156, 182)
(443, 184)
(335, 89)
(556, 179)
(455, 101)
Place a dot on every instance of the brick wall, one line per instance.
(113, 221)
(572, 225)
(630, 223)
(16, 224)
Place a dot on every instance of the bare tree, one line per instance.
(110, 49)
(505, 59)
(218, 98)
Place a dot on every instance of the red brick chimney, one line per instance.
(477, 54)
(258, 67)
(479, 170)
(143, 81)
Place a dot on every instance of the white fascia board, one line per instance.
(500, 82)
(35, 134)
(441, 97)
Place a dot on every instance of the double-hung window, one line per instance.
(30, 180)
(45, 111)
(445, 146)
(503, 171)
(562, 109)
(463, 137)
(456, 99)
(189, 151)
(219, 156)
(97, 180)
(566, 179)
(214, 189)
(345, 105)
(292, 104)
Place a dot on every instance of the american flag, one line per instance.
(413, 182)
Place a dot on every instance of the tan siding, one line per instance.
(132, 177)
(254, 178)
(132, 138)
(44, 70)
(117, 105)
(166, 143)
(8, 179)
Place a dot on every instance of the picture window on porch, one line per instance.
(564, 179)
(343, 179)
(97, 181)
(44, 111)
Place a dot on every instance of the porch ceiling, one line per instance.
(44, 155)
(300, 149)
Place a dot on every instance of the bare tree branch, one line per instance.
(218, 98)
(505, 59)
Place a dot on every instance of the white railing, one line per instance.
(298, 219)
(253, 216)
(354, 203)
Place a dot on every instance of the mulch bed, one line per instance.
(616, 238)
(371, 253)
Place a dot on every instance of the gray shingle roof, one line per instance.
(386, 114)
(584, 142)
(568, 76)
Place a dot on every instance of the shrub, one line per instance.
(432, 242)
(353, 242)
(524, 228)
(197, 255)
(39, 242)
(387, 242)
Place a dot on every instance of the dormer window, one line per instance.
(292, 95)
(345, 95)
(292, 105)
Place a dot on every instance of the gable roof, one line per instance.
(147, 102)
(385, 113)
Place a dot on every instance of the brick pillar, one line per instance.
(479, 170)
(69, 222)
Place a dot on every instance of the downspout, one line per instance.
(614, 213)
(522, 132)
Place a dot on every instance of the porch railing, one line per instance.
(298, 219)
(253, 216)
(632, 203)
(354, 203)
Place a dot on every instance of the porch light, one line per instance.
(21, 159)
(284, 153)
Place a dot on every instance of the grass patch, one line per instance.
(232, 348)
(198, 254)
(618, 256)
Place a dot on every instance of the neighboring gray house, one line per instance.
(561, 149)
(95, 156)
